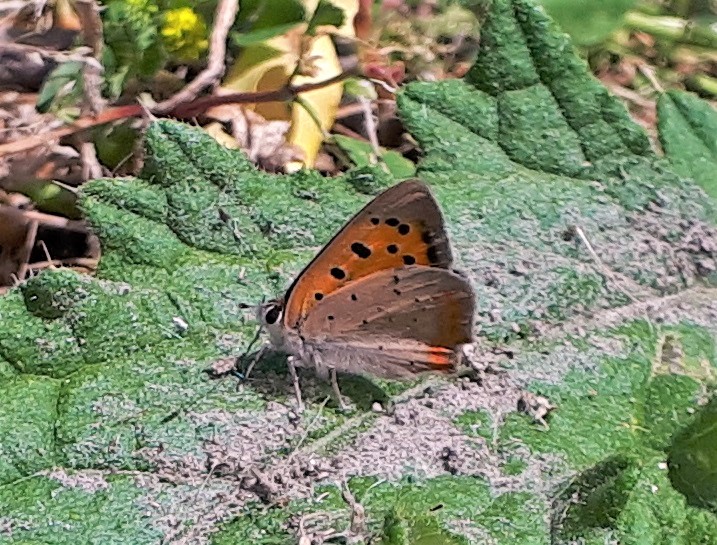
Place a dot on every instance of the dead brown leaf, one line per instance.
(265, 142)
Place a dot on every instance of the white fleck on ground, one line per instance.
(89, 480)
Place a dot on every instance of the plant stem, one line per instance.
(672, 28)
(703, 83)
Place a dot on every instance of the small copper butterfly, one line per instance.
(380, 298)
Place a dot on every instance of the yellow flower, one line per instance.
(184, 33)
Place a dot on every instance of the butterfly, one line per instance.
(380, 298)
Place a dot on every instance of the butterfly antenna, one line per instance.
(242, 376)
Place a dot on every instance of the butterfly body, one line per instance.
(380, 298)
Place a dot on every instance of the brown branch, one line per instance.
(84, 262)
(184, 111)
(113, 114)
(223, 21)
(58, 56)
(59, 222)
(282, 94)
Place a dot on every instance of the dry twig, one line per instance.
(184, 111)
(27, 247)
(56, 221)
(370, 125)
(603, 268)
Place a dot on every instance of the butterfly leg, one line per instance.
(295, 380)
(266, 347)
(337, 392)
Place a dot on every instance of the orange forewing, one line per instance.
(402, 226)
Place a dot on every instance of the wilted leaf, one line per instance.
(270, 64)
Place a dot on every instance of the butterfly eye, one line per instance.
(272, 314)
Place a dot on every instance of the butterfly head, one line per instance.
(270, 315)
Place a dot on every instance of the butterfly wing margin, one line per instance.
(407, 213)
(395, 322)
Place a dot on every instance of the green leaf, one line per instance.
(627, 499)
(326, 14)
(359, 87)
(588, 22)
(688, 134)
(361, 155)
(416, 530)
(260, 20)
(134, 46)
(52, 197)
(261, 35)
(693, 459)
(64, 83)
(521, 153)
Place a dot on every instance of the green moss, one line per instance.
(36, 345)
(131, 195)
(456, 100)
(256, 526)
(43, 510)
(107, 412)
(505, 62)
(477, 423)
(698, 346)
(668, 407)
(514, 466)
(141, 241)
(687, 126)
(575, 290)
(27, 417)
(632, 499)
(535, 134)
(620, 407)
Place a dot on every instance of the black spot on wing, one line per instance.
(338, 273)
(361, 250)
(409, 259)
